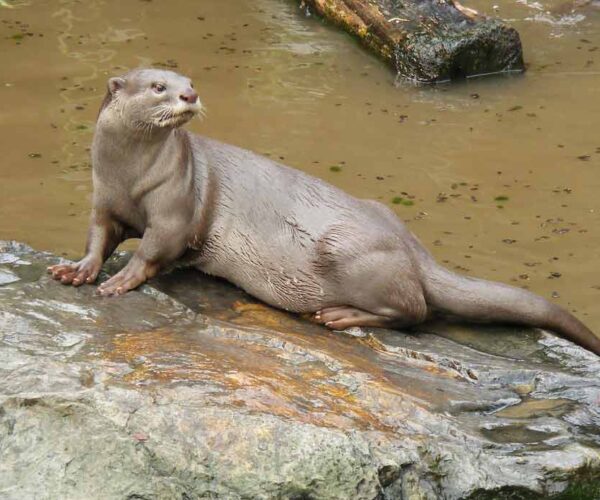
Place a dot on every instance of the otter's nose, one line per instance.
(189, 96)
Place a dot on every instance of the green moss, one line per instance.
(584, 486)
(398, 200)
(335, 168)
(586, 490)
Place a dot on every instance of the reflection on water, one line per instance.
(503, 172)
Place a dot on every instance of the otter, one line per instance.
(285, 237)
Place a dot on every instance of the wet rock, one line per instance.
(189, 388)
(427, 40)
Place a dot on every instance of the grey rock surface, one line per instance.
(188, 388)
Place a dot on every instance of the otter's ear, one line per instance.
(115, 84)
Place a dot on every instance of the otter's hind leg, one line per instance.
(342, 317)
(381, 289)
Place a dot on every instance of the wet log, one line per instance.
(427, 41)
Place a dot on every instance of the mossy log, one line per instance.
(427, 41)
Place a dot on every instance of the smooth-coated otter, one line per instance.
(285, 237)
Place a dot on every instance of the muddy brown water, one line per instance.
(498, 177)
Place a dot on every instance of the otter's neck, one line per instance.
(122, 151)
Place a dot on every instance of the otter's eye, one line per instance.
(159, 87)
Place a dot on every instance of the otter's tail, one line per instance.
(485, 301)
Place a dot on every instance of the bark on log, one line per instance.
(427, 40)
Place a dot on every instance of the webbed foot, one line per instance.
(84, 271)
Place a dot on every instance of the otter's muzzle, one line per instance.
(189, 96)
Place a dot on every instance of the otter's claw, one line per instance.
(75, 274)
(121, 283)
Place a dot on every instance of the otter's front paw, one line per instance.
(84, 271)
(122, 282)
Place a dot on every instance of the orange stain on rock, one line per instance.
(258, 377)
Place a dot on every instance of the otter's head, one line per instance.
(149, 99)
